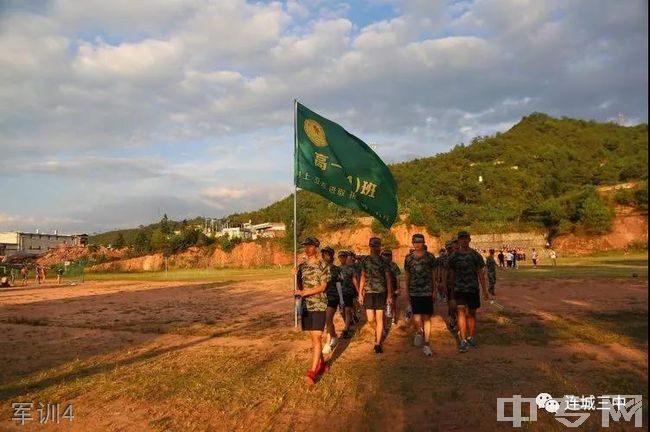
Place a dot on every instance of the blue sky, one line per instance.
(112, 113)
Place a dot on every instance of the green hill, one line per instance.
(541, 174)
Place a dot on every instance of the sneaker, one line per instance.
(334, 342)
(310, 378)
(378, 349)
(418, 340)
(327, 349)
(472, 342)
(426, 349)
(463, 347)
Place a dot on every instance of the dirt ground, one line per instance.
(141, 356)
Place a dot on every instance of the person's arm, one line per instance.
(481, 276)
(362, 286)
(389, 285)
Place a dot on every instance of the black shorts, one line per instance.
(470, 299)
(348, 300)
(333, 301)
(312, 321)
(374, 301)
(422, 305)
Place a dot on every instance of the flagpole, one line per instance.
(295, 210)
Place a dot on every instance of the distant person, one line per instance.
(553, 257)
(509, 259)
(534, 256)
(59, 275)
(23, 274)
(491, 267)
(515, 263)
(38, 274)
(502, 259)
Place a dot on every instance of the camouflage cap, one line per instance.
(374, 241)
(312, 241)
(463, 234)
(344, 253)
(417, 238)
(387, 252)
(328, 250)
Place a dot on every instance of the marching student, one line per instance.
(375, 290)
(333, 300)
(349, 288)
(387, 254)
(466, 275)
(313, 275)
(420, 274)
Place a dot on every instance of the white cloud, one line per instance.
(189, 96)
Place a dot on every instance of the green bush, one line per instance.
(227, 244)
(595, 216)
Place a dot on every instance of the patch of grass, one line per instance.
(627, 327)
(25, 320)
(610, 266)
(217, 275)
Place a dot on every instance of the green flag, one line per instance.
(340, 167)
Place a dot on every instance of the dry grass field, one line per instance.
(219, 352)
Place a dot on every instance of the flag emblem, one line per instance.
(315, 133)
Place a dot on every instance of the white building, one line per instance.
(12, 242)
(269, 230)
(237, 232)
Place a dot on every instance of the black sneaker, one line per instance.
(378, 349)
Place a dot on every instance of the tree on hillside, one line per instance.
(119, 242)
(142, 244)
(159, 240)
(164, 225)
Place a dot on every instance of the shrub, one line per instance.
(595, 216)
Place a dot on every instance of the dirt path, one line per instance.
(224, 356)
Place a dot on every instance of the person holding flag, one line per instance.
(312, 278)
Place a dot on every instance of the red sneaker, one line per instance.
(310, 378)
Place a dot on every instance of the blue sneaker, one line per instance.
(472, 342)
(463, 347)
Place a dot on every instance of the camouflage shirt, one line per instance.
(331, 290)
(394, 275)
(311, 275)
(420, 270)
(346, 275)
(375, 268)
(465, 266)
(491, 266)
